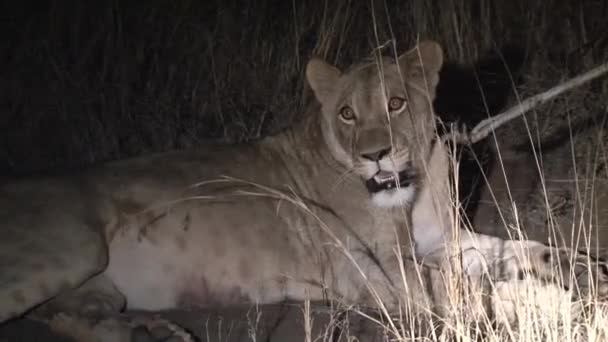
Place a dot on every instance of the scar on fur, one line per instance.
(143, 230)
(181, 242)
(116, 226)
(186, 222)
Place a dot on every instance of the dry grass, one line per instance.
(84, 83)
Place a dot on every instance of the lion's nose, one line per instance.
(376, 155)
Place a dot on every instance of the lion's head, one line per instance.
(378, 118)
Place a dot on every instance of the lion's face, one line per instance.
(378, 119)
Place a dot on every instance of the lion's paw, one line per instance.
(157, 330)
(575, 271)
(119, 329)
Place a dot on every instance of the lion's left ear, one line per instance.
(425, 60)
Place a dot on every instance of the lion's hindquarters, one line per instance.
(49, 244)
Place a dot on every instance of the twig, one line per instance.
(485, 127)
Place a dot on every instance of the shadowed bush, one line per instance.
(88, 82)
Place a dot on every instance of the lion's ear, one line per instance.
(322, 78)
(425, 60)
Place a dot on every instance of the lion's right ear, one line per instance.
(423, 61)
(322, 78)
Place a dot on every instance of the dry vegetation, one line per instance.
(84, 82)
(89, 82)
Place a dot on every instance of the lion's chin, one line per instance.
(395, 197)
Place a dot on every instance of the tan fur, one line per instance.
(287, 218)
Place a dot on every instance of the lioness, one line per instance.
(336, 206)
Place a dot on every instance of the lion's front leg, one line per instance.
(509, 281)
(438, 242)
(517, 260)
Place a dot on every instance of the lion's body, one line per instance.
(325, 209)
(281, 219)
(184, 228)
(227, 242)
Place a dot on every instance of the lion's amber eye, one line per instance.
(395, 103)
(347, 114)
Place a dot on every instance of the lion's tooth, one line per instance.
(383, 177)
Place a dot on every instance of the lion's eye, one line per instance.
(395, 103)
(347, 114)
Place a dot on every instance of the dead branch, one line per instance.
(487, 126)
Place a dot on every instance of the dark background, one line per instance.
(84, 82)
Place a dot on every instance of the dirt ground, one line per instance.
(272, 323)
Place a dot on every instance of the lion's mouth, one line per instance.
(386, 180)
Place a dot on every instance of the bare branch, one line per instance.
(485, 127)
